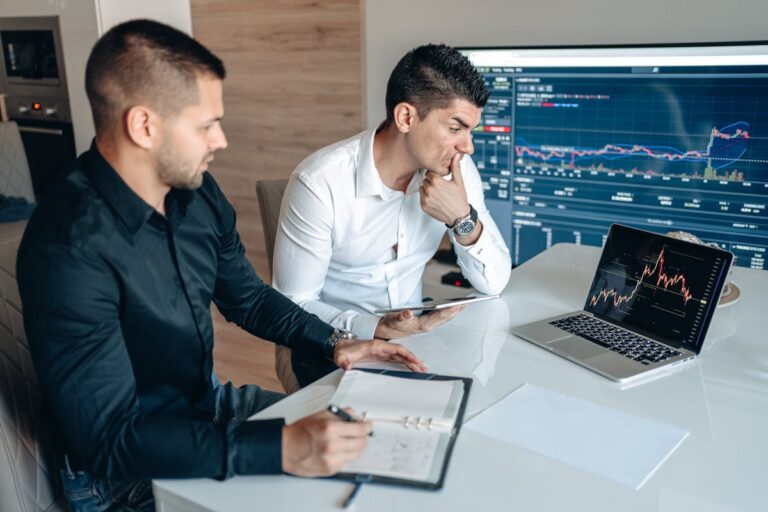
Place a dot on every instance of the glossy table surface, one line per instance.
(721, 398)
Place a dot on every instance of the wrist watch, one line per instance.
(465, 225)
(329, 347)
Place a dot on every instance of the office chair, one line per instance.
(270, 195)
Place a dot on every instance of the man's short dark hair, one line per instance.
(143, 62)
(431, 76)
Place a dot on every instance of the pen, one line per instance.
(341, 413)
(351, 498)
(344, 415)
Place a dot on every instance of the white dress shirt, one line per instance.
(339, 224)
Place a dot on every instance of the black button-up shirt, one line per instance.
(116, 302)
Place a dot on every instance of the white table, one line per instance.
(721, 398)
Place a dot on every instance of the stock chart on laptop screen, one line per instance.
(666, 138)
(664, 287)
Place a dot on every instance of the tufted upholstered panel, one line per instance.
(26, 465)
(15, 180)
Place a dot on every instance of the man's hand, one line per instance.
(321, 444)
(445, 200)
(349, 352)
(405, 323)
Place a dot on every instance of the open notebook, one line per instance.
(416, 419)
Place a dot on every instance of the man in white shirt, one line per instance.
(361, 218)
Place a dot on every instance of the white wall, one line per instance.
(175, 13)
(392, 27)
(81, 23)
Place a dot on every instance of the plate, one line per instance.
(730, 295)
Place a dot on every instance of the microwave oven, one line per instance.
(31, 55)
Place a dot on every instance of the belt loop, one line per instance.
(70, 473)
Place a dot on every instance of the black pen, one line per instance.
(351, 498)
(341, 413)
(344, 415)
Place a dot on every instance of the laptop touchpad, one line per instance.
(577, 348)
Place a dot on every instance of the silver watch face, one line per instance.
(341, 334)
(336, 336)
(464, 227)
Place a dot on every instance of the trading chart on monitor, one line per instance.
(659, 285)
(664, 139)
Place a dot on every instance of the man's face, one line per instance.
(191, 137)
(434, 140)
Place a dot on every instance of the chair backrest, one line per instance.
(270, 194)
(28, 479)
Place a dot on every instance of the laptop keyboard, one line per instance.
(623, 342)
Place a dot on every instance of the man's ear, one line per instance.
(141, 125)
(406, 116)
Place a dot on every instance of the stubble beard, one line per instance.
(176, 172)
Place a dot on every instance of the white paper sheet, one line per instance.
(604, 441)
(393, 397)
(398, 453)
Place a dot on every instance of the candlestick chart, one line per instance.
(656, 278)
(659, 285)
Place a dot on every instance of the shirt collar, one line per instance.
(131, 209)
(368, 179)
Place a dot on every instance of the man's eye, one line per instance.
(454, 129)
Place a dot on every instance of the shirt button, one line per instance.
(402, 235)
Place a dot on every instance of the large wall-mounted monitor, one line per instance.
(665, 137)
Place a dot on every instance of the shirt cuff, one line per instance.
(364, 326)
(255, 448)
(475, 250)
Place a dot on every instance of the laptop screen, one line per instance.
(661, 287)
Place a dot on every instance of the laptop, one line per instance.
(648, 308)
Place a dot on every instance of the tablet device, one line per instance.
(432, 305)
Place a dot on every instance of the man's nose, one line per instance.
(219, 139)
(466, 145)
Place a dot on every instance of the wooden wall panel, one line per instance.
(294, 84)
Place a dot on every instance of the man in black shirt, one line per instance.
(117, 270)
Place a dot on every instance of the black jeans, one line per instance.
(88, 493)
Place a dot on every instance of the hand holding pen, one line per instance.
(344, 415)
(320, 444)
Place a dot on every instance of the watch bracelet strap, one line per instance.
(329, 347)
(472, 215)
